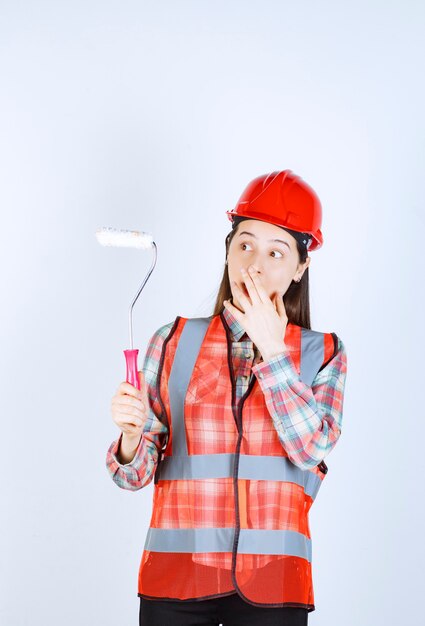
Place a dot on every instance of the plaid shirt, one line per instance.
(307, 418)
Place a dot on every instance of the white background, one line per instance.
(154, 116)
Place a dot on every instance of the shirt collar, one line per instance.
(235, 328)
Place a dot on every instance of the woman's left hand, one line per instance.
(263, 319)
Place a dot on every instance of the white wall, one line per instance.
(154, 116)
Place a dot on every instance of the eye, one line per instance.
(278, 251)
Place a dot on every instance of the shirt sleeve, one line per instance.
(141, 469)
(308, 419)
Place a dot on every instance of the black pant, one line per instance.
(228, 610)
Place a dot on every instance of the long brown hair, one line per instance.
(296, 299)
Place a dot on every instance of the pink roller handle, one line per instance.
(131, 361)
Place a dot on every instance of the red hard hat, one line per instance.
(284, 199)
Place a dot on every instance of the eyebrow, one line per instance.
(245, 232)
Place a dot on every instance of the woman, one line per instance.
(236, 415)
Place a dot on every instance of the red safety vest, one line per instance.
(230, 510)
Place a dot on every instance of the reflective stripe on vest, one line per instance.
(198, 540)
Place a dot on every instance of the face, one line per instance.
(273, 253)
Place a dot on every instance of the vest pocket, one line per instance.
(207, 380)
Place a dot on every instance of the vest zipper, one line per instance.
(238, 419)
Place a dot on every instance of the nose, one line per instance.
(255, 265)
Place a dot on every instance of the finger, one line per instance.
(247, 279)
(243, 299)
(134, 420)
(129, 401)
(118, 398)
(232, 309)
(129, 413)
(255, 280)
(128, 410)
(129, 429)
(127, 388)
